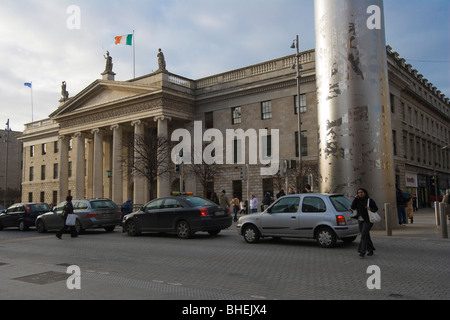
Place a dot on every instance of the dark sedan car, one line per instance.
(183, 215)
(22, 215)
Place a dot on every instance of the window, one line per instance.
(42, 198)
(394, 141)
(267, 147)
(55, 147)
(32, 151)
(55, 171)
(303, 142)
(43, 167)
(286, 205)
(44, 148)
(313, 204)
(31, 176)
(155, 204)
(70, 169)
(302, 104)
(236, 115)
(266, 110)
(172, 203)
(209, 123)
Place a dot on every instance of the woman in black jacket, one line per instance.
(360, 204)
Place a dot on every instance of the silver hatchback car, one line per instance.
(324, 217)
(91, 214)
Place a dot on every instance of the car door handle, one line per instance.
(293, 217)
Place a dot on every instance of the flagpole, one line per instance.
(32, 112)
(134, 57)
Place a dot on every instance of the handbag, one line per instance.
(71, 219)
(374, 217)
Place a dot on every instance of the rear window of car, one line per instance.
(198, 202)
(340, 203)
(103, 204)
(39, 207)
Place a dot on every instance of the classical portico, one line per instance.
(101, 121)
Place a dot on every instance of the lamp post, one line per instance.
(295, 45)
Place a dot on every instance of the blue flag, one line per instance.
(27, 84)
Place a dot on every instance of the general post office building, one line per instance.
(82, 149)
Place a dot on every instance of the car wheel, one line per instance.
(22, 226)
(251, 234)
(131, 228)
(184, 230)
(40, 227)
(78, 227)
(326, 237)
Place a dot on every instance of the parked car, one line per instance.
(324, 217)
(91, 214)
(182, 214)
(22, 215)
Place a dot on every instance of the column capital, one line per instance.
(97, 130)
(162, 118)
(79, 134)
(115, 127)
(136, 123)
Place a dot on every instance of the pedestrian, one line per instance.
(280, 194)
(223, 200)
(253, 204)
(235, 204)
(266, 201)
(127, 208)
(410, 210)
(446, 202)
(401, 206)
(360, 204)
(68, 209)
(307, 189)
(214, 198)
(291, 190)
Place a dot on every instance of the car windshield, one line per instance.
(198, 202)
(340, 203)
(103, 204)
(39, 207)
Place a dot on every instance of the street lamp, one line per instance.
(295, 45)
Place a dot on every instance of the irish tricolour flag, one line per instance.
(124, 40)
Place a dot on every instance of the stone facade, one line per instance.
(91, 130)
(11, 174)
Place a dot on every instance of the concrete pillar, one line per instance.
(80, 170)
(163, 183)
(117, 163)
(63, 168)
(139, 191)
(355, 134)
(98, 164)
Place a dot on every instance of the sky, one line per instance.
(50, 41)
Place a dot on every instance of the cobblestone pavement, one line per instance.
(412, 264)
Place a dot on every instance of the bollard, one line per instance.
(387, 215)
(444, 231)
(436, 213)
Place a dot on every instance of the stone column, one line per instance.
(63, 168)
(139, 191)
(90, 169)
(355, 132)
(117, 172)
(163, 183)
(80, 170)
(98, 164)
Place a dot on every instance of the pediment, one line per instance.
(102, 92)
